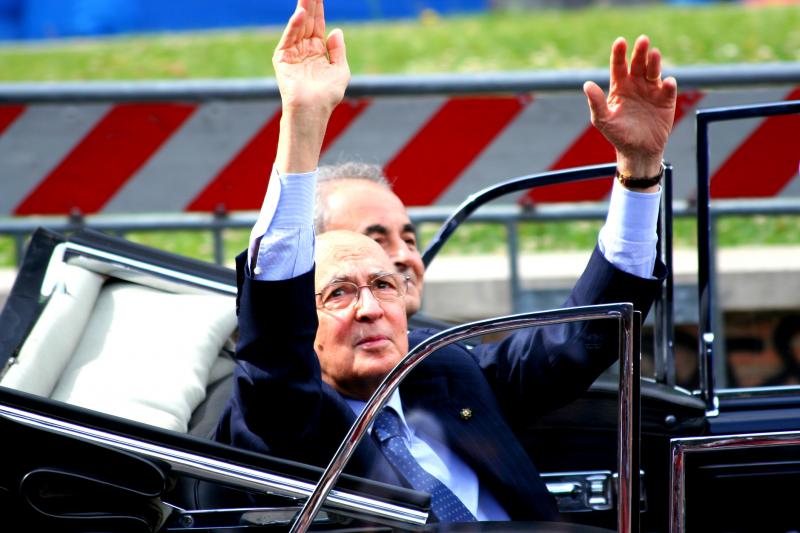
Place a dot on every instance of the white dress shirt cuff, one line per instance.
(282, 239)
(628, 238)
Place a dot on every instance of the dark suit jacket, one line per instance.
(280, 405)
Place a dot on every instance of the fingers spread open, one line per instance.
(639, 56)
(293, 32)
(319, 20)
(653, 65)
(311, 7)
(619, 65)
(597, 101)
(670, 88)
(336, 48)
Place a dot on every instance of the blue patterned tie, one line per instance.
(445, 505)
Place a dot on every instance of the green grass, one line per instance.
(195, 244)
(766, 230)
(7, 252)
(487, 238)
(484, 238)
(721, 33)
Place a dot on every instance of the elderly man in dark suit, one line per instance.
(315, 342)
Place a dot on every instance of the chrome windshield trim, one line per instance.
(218, 470)
(545, 475)
(622, 312)
(760, 391)
(79, 249)
(681, 446)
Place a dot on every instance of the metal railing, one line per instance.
(507, 215)
(697, 77)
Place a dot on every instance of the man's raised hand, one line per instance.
(312, 75)
(311, 71)
(638, 113)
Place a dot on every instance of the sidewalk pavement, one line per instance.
(750, 279)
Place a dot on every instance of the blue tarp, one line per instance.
(37, 19)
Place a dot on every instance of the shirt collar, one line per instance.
(394, 402)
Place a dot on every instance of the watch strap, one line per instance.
(637, 182)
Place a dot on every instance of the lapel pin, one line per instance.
(466, 413)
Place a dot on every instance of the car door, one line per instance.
(742, 475)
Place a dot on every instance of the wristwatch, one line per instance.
(636, 182)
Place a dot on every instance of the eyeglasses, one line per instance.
(343, 294)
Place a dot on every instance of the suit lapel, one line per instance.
(452, 412)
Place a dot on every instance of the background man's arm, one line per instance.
(637, 115)
(533, 372)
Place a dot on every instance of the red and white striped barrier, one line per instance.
(173, 156)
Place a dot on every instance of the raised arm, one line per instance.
(637, 115)
(312, 75)
(276, 404)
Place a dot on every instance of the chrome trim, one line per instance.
(88, 252)
(52, 274)
(583, 491)
(707, 391)
(682, 446)
(213, 519)
(713, 410)
(623, 312)
(560, 488)
(760, 391)
(625, 423)
(218, 470)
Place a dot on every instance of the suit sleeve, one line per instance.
(536, 370)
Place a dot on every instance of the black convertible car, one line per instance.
(102, 432)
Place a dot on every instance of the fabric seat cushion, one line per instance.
(146, 354)
(50, 344)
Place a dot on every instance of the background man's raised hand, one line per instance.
(312, 75)
(637, 115)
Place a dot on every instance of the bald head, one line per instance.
(359, 344)
(340, 250)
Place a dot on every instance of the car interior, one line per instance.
(95, 315)
(96, 318)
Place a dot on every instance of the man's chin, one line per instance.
(376, 364)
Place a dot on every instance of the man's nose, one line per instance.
(368, 308)
(400, 256)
